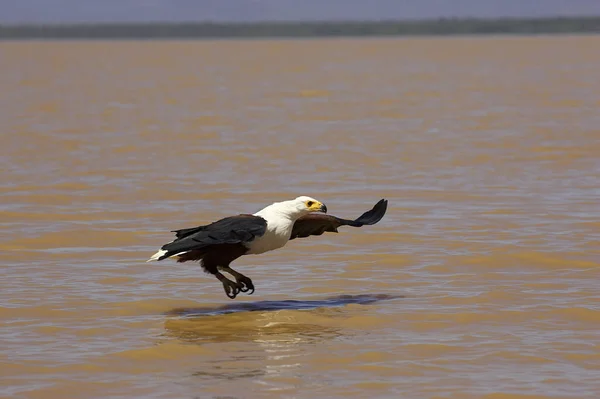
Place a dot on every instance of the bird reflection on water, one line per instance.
(248, 321)
(265, 339)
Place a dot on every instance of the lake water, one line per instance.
(482, 280)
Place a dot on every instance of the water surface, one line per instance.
(480, 282)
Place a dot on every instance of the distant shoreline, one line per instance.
(227, 30)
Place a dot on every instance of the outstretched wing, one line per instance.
(315, 224)
(230, 230)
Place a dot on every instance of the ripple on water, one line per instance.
(480, 282)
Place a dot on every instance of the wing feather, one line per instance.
(315, 224)
(229, 230)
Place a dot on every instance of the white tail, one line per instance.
(157, 255)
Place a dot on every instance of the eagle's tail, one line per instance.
(158, 256)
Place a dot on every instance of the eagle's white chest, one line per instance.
(276, 236)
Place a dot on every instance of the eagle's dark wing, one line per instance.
(315, 224)
(229, 230)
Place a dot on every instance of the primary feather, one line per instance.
(315, 224)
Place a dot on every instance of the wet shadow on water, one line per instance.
(265, 306)
(260, 340)
(304, 320)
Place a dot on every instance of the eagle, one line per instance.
(219, 243)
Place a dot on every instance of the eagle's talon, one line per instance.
(231, 296)
(231, 289)
(246, 284)
(249, 290)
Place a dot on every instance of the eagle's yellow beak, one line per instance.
(317, 206)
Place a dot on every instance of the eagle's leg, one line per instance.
(231, 288)
(245, 282)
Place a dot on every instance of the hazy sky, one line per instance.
(15, 11)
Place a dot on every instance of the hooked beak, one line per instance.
(323, 208)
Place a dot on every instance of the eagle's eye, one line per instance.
(310, 203)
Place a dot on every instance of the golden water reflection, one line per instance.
(265, 321)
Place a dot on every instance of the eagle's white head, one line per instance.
(293, 209)
(304, 205)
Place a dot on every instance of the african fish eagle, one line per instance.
(217, 244)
